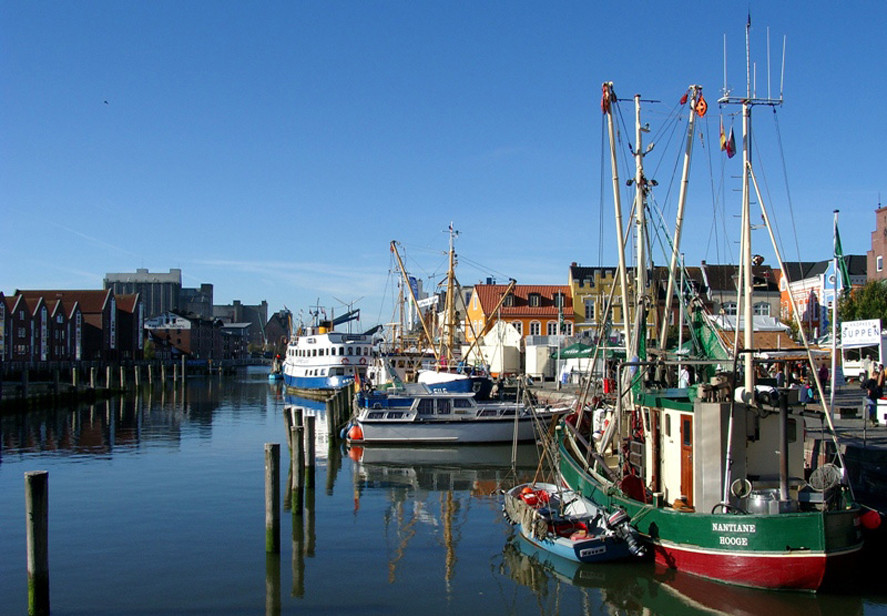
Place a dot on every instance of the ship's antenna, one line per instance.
(768, 62)
(782, 77)
(725, 64)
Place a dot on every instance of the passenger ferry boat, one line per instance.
(320, 358)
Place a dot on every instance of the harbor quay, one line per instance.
(25, 385)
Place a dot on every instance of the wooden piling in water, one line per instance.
(108, 376)
(75, 376)
(297, 472)
(92, 371)
(272, 498)
(37, 517)
(136, 376)
(309, 451)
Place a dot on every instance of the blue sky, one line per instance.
(275, 149)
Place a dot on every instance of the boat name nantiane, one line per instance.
(731, 527)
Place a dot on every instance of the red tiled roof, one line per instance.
(489, 295)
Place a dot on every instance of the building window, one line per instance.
(551, 328)
(535, 300)
(762, 309)
(589, 310)
(567, 329)
(518, 327)
(509, 301)
(729, 308)
(879, 263)
(559, 300)
(535, 328)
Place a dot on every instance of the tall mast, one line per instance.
(448, 338)
(403, 271)
(640, 183)
(695, 91)
(607, 100)
(747, 102)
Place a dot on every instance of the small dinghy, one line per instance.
(564, 523)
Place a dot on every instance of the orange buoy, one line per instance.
(355, 433)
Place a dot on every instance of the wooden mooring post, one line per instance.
(37, 516)
(310, 464)
(272, 498)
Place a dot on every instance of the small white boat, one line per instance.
(564, 523)
(414, 414)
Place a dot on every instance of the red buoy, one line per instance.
(871, 519)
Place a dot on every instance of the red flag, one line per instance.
(723, 136)
(731, 145)
(684, 99)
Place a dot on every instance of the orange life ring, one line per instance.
(344, 360)
(363, 361)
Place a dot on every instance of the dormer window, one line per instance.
(535, 300)
(559, 300)
(509, 301)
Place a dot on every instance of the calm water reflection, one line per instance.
(157, 507)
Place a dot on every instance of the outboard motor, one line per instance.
(618, 521)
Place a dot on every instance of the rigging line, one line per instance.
(777, 231)
(481, 267)
(791, 209)
(718, 199)
(712, 233)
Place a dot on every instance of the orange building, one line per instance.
(533, 310)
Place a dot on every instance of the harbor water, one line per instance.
(156, 506)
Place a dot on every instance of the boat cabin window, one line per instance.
(351, 350)
(333, 351)
(444, 406)
(461, 403)
(426, 406)
(668, 425)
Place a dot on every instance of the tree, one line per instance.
(866, 302)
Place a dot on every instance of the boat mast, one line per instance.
(406, 280)
(747, 102)
(640, 183)
(695, 91)
(607, 100)
(448, 337)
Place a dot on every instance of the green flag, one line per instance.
(841, 263)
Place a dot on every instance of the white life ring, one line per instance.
(363, 361)
(344, 360)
